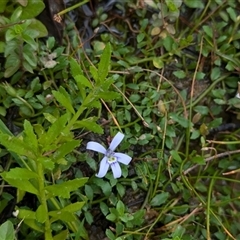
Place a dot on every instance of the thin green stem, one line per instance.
(43, 200)
(72, 7)
(160, 160)
(27, 104)
(210, 189)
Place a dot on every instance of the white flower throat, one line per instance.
(110, 156)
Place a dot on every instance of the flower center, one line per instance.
(112, 159)
(110, 156)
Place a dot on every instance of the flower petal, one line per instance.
(104, 165)
(116, 169)
(96, 147)
(116, 141)
(123, 158)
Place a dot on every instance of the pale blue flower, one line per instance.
(110, 158)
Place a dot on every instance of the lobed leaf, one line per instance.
(74, 207)
(82, 82)
(54, 131)
(17, 145)
(30, 137)
(89, 124)
(75, 67)
(104, 64)
(63, 98)
(64, 189)
(20, 174)
(65, 148)
(23, 185)
(94, 73)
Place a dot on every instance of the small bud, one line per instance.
(161, 107)
(15, 213)
(49, 98)
(10, 90)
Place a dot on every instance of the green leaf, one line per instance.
(24, 185)
(232, 13)
(64, 98)
(168, 43)
(16, 14)
(17, 145)
(65, 148)
(159, 199)
(10, 48)
(12, 64)
(200, 75)
(140, 37)
(40, 29)
(54, 131)
(108, 95)
(176, 156)
(120, 208)
(104, 208)
(110, 234)
(61, 235)
(41, 214)
(32, 223)
(7, 231)
(89, 217)
(26, 214)
(121, 189)
(139, 217)
(29, 136)
(111, 217)
(220, 101)
(61, 215)
(179, 74)
(198, 159)
(89, 124)
(2, 46)
(4, 129)
(46, 162)
(119, 229)
(180, 120)
(33, 8)
(10, 35)
(64, 189)
(29, 39)
(94, 73)
(75, 67)
(201, 109)
(105, 186)
(3, 111)
(158, 63)
(89, 192)
(104, 64)
(2, 9)
(20, 174)
(27, 66)
(208, 30)
(74, 207)
(180, 210)
(194, 3)
(219, 93)
(82, 82)
(215, 73)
